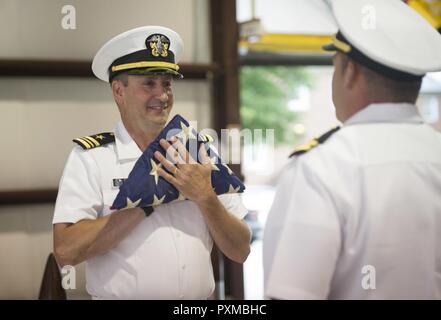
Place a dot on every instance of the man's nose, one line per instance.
(164, 96)
(161, 93)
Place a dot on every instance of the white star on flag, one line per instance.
(156, 201)
(233, 190)
(181, 197)
(131, 204)
(154, 171)
(186, 133)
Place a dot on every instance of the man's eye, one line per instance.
(149, 83)
(167, 84)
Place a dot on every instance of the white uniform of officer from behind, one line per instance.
(359, 216)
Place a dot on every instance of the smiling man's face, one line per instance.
(146, 100)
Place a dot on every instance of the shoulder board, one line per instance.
(96, 140)
(313, 143)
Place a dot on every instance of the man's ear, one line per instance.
(350, 74)
(118, 92)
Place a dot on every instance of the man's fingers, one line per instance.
(167, 176)
(183, 151)
(203, 155)
(166, 163)
(172, 153)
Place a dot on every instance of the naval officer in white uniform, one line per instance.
(359, 215)
(136, 253)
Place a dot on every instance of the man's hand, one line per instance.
(192, 179)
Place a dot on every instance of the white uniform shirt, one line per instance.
(167, 256)
(370, 196)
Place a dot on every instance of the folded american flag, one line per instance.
(144, 187)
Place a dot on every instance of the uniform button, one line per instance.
(183, 266)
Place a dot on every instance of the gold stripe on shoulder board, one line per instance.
(84, 142)
(92, 141)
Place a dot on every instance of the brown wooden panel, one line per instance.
(28, 196)
(82, 69)
(51, 288)
(226, 103)
(234, 285)
(225, 37)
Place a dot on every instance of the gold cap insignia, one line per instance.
(158, 44)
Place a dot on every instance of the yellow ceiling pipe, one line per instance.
(430, 10)
(288, 43)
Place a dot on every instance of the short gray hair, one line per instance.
(387, 88)
(122, 77)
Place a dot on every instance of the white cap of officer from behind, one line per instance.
(387, 36)
(147, 50)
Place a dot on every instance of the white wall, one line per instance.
(32, 29)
